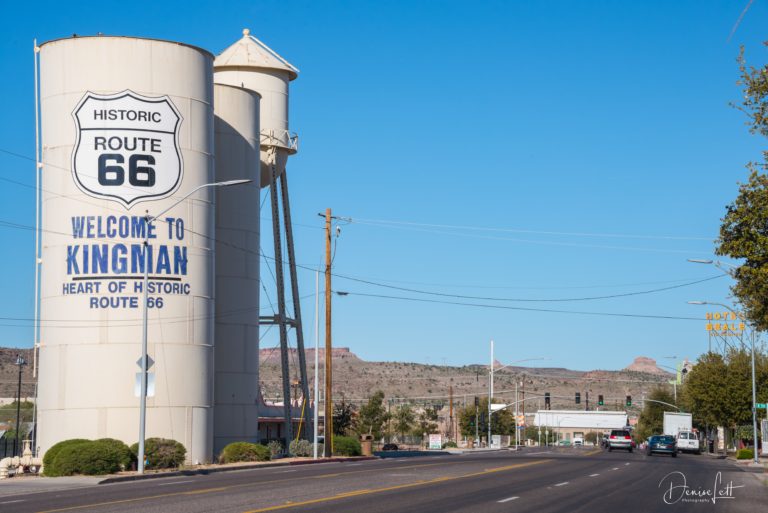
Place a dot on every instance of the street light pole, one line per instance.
(20, 362)
(317, 350)
(490, 396)
(145, 313)
(754, 391)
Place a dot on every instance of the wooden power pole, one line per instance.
(328, 346)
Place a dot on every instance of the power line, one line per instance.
(552, 300)
(10, 224)
(525, 309)
(519, 230)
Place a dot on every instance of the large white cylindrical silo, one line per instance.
(127, 129)
(236, 127)
(251, 64)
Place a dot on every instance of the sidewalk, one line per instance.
(30, 483)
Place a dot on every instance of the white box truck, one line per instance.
(680, 426)
(676, 422)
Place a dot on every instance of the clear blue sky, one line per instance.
(606, 122)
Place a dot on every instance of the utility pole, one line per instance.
(328, 346)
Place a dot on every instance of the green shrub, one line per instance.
(161, 453)
(301, 448)
(275, 448)
(745, 454)
(346, 446)
(450, 444)
(126, 456)
(244, 451)
(51, 453)
(86, 458)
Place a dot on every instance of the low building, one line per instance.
(567, 424)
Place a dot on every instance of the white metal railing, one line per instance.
(280, 138)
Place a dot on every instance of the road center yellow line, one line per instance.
(233, 487)
(357, 493)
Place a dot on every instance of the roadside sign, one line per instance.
(150, 385)
(435, 441)
(760, 406)
(150, 362)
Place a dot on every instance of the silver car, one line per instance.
(620, 439)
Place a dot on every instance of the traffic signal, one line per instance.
(578, 398)
(546, 401)
(477, 401)
(600, 401)
(629, 400)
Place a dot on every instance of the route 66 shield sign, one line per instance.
(127, 147)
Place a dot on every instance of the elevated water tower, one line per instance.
(252, 65)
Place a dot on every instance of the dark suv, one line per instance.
(620, 439)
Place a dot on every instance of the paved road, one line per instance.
(571, 480)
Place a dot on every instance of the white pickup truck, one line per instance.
(687, 441)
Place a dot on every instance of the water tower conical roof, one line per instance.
(249, 52)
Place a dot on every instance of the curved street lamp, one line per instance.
(490, 390)
(143, 397)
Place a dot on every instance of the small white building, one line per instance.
(567, 424)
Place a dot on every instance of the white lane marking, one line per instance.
(349, 465)
(562, 484)
(177, 482)
(12, 502)
(508, 499)
(615, 468)
(539, 452)
(626, 464)
(594, 475)
(286, 471)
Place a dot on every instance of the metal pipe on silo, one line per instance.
(127, 130)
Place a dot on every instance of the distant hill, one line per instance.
(356, 379)
(645, 364)
(9, 373)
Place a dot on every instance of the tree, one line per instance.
(718, 390)
(744, 232)
(404, 420)
(592, 437)
(8, 415)
(343, 418)
(373, 415)
(427, 421)
(502, 421)
(651, 421)
(705, 390)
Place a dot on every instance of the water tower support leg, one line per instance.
(307, 424)
(281, 317)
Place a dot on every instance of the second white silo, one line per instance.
(236, 127)
(251, 64)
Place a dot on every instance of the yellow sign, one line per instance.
(722, 326)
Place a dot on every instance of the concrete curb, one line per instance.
(215, 470)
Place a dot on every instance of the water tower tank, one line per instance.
(251, 64)
(127, 128)
(236, 127)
